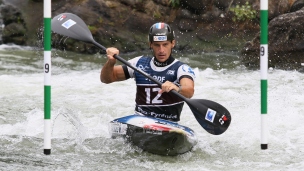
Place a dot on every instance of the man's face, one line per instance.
(162, 50)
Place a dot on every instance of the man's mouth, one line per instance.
(161, 55)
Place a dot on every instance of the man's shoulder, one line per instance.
(142, 58)
(177, 63)
(145, 58)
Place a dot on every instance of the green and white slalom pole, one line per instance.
(47, 76)
(264, 70)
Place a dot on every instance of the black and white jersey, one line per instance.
(148, 101)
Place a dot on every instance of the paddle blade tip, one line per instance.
(212, 116)
(70, 25)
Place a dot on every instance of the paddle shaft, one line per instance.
(212, 116)
(197, 106)
(140, 71)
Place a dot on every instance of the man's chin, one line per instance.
(161, 59)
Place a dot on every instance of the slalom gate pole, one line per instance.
(47, 76)
(264, 70)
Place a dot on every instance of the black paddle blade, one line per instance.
(213, 117)
(72, 26)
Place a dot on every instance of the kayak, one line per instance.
(154, 135)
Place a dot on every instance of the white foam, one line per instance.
(82, 106)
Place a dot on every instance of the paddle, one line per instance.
(213, 117)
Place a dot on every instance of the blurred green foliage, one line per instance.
(243, 12)
(174, 3)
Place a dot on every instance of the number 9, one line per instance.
(47, 68)
(262, 51)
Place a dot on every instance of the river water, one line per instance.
(82, 107)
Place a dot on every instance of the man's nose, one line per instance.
(161, 48)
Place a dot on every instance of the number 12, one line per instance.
(155, 100)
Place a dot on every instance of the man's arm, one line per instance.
(109, 72)
(186, 87)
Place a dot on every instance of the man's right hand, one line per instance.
(111, 51)
(109, 72)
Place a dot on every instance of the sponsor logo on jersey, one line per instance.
(188, 69)
(170, 72)
(159, 78)
(142, 67)
(160, 64)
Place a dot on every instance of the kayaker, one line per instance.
(151, 100)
